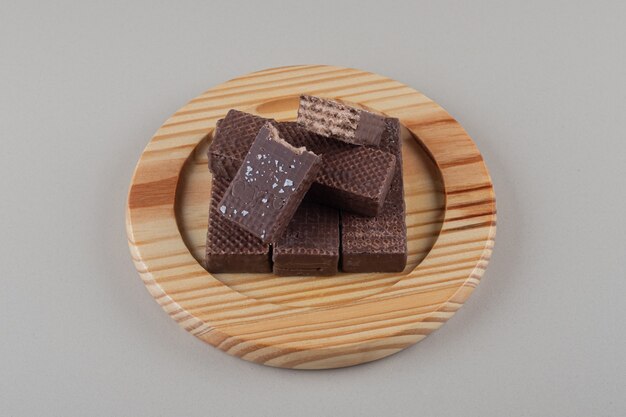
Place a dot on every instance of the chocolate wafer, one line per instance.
(379, 244)
(269, 186)
(352, 178)
(333, 119)
(310, 245)
(229, 248)
(356, 180)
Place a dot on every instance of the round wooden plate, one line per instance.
(313, 322)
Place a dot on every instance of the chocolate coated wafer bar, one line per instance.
(269, 186)
(353, 178)
(356, 180)
(229, 248)
(310, 245)
(333, 119)
(379, 244)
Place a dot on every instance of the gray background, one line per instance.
(541, 88)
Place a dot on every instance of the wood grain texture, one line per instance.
(313, 322)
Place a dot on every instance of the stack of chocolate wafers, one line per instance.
(310, 197)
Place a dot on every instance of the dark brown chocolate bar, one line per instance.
(310, 245)
(269, 186)
(232, 138)
(229, 248)
(333, 119)
(379, 244)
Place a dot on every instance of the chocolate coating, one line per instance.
(356, 180)
(269, 186)
(233, 137)
(310, 245)
(228, 247)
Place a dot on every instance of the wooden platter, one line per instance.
(313, 322)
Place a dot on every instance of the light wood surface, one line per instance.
(313, 322)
